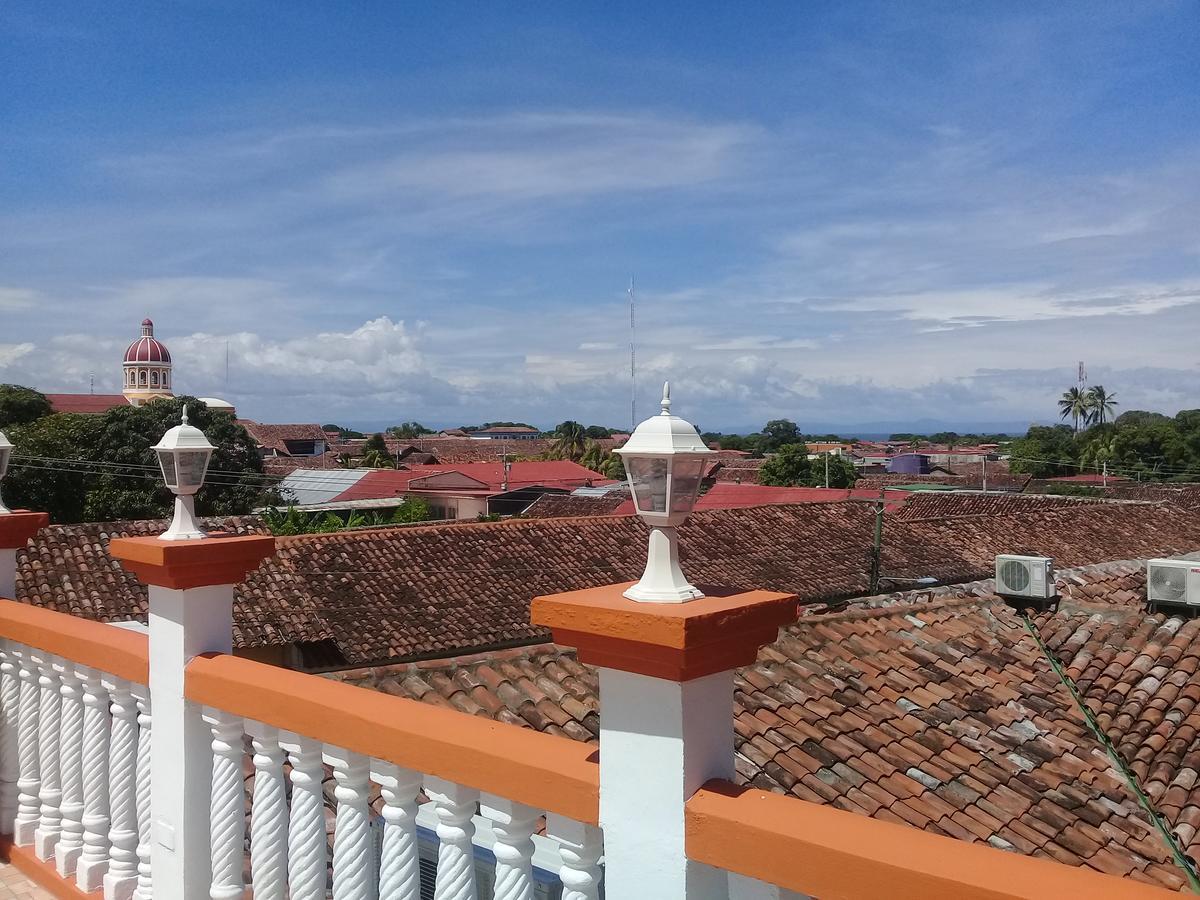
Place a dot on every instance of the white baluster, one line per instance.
(399, 865)
(454, 805)
(145, 879)
(579, 846)
(306, 826)
(29, 781)
(121, 877)
(93, 861)
(228, 814)
(269, 816)
(49, 734)
(353, 845)
(70, 845)
(10, 699)
(512, 824)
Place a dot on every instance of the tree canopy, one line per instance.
(21, 405)
(92, 468)
(409, 430)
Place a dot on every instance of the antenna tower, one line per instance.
(632, 359)
(1082, 377)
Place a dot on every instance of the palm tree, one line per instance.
(570, 440)
(1103, 404)
(1077, 404)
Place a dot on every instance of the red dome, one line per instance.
(147, 349)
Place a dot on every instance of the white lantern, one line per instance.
(665, 461)
(6, 449)
(183, 455)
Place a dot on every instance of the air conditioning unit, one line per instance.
(1175, 581)
(1025, 576)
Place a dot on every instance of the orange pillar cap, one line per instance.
(179, 565)
(17, 527)
(676, 641)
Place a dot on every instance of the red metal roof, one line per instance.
(85, 403)
(474, 477)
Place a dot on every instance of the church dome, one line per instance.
(147, 348)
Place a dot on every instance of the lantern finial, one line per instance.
(666, 400)
(185, 421)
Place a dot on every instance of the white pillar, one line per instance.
(93, 861)
(269, 816)
(49, 738)
(306, 825)
(354, 871)
(512, 825)
(70, 845)
(454, 805)
(399, 865)
(228, 806)
(183, 624)
(145, 881)
(121, 877)
(579, 846)
(10, 699)
(29, 780)
(660, 740)
(8, 573)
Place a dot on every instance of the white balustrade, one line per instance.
(29, 778)
(10, 692)
(49, 736)
(93, 861)
(121, 877)
(228, 809)
(70, 844)
(399, 864)
(269, 816)
(580, 846)
(145, 879)
(306, 825)
(454, 805)
(354, 870)
(513, 825)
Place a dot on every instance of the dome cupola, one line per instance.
(147, 368)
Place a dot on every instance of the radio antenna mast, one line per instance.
(632, 359)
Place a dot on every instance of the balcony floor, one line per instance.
(15, 886)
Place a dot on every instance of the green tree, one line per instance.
(409, 430)
(789, 467)
(375, 453)
(47, 482)
(1045, 452)
(1103, 404)
(1075, 405)
(842, 473)
(570, 440)
(21, 405)
(778, 433)
(99, 468)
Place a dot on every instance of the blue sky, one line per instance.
(842, 213)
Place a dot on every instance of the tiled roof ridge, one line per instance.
(519, 523)
(899, 607)
(502, 654)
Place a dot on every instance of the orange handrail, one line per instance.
(118, 651)
(542, 770)
(834, 854)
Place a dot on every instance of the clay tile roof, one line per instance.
(85, 403)
(943, 715)
(553, 506)
(953, 504)
(440, 589)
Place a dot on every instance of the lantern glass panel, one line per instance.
(192, 464)
(648, 478)
(685, 482)
(5, 453)
(166, 462)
